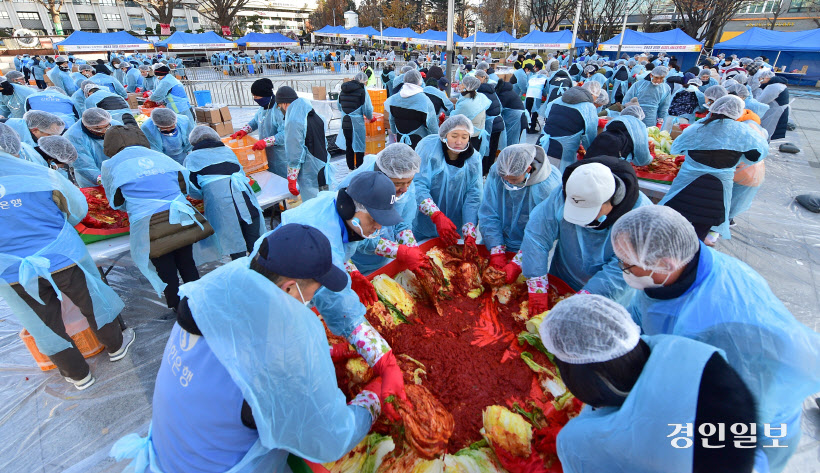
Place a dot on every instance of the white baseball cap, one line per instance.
(587, 189)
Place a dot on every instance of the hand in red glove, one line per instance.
(146, 94)
(441, 118)
(445, 227)
(259, 145)
(138, 90)
(373, 120)
(364, 288)
(498, 260)
(342, 351)
(392, 383)
(239, 134)
(470, 248)
(539, 302)
(293, 186)
(412, 257)
(513, 271)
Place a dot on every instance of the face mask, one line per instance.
(63, 67)
(263, 102)
(597, 222)
(306, 303)
(355, 223)
(399, 198)
(517, 187)
(170, 133)
(453, 149)
(642, 282)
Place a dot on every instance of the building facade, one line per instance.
(791, 15)
(281, 16)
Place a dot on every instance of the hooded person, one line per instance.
(87, 137)
(493, 123)
(571, 120)
(13, 96)
(685, 101)
(449, 184)
(624, 136)
(79, 96)
(347, 217)
(654, 95)
(308, 162)
(55, 102)
(412, 114)
(632, 384)
(59, 154)
(713, 148)
(441, 103)
(577, 219)
(43, 259)
(171, 92)
(100, 97)
(106, 82)
(706, 79)
(356, 107)
(260, 404)
(400, 163)
(774, 93)
(133, 78)
(168, 133)
(61, 76)
(474, 106)
(150, 187)
(678, 280)
(217, 177)
(117, 72)
(149, 80)
(520, 179)
(559, 81)
(270, 122)
(513, 112)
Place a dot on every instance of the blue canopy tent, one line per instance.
(674, 43)
(487, 40)
(396, 34)
(85, 41)
(793, 50)
(266, 40)
(205, 41)
(438, 38)
(329, 31)
(358, 32)
(554, 40)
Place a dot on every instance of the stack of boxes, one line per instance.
(218, 118)
(375, 140)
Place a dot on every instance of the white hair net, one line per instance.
(405, 69)
(742, 77)
(89, 86)
(515, 159)
(202, 132)
(9, 140)
(704, 73)
(471, 83)
(360, 77)
(44, 121)
(398, 161)
(481, 74)
(695, 81)
(730, 105)
(588, 328)
(412, 77)
(634, 111)
(660, 71)
(455, 121)
(601, 98)
(655, 238)
(727, 83)
(164, 117)
(632, 63)
(738, 89)
(54, 88)
(59, 148)
(84, 67)
(590, 69)
(60, 59)
(14, 75)
(715, 92)
(96, 117)
(767, 73)
(145, 68)
(483, 66)
(84, 83)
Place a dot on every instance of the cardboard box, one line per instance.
(132, 100)
(505, 77)
(75, 68)
(346, 79)
(225, 113)
(200, 114)
(676, 131)
(319, 93)
(222, 128)
(211, 115)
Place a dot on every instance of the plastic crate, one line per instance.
(377, 98)
(252, 161)
(373, 145)
(376, 128)
(147, 110)
(202, 97)
(85, 341)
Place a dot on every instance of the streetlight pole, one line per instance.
(621, 41)
(575, 31)
(451, 55)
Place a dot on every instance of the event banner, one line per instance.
(639, 48)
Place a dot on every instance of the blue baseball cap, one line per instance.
(303, 252)
(377, 193)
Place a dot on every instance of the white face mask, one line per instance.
(306, 303)
(453, 149)
(372, 236)
(399, 198)
(516, 187)
(643, 282)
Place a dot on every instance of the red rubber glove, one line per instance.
(513, 271)
(539, 302)
(259, 145)
(138, 90)
(239, 134)
(342, 351)
(498, 260)
(441, 118)
(373, 120)
(364, 288)
(392, 383)
(146, 94)
(470, 248)
(445, 227)
(412, 257)
(293, 186)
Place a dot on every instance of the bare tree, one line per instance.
(548, 14)
(650, 12)
(224, 12)
(491, 14)
(54, 7)
(779, 9)
(601, 19)
(328, 10)
(162, 11)
(370, 12)
(703, 19)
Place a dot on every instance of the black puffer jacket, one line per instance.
(352, 96)
(507, 96)
(488, 90)
(566, 121)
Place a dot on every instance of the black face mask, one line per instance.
(64, 67)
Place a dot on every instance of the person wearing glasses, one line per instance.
(577, 218)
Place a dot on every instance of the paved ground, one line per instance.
(46, 426)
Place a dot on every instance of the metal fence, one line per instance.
(281, 70)
(237, 92)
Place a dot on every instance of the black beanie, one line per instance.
(262, 88)
(162, 70)
(285, 94)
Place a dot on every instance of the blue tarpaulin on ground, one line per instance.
(180, 40)
(552, 40)
(266, 40)
(85, 41)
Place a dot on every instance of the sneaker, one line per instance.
(732, 222)
(711, 238)
(128, 337)
(83, 383)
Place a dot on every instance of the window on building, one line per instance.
(81, 2)
(112, 17)
(85, 17)
(761, 7)
(798, 6)
(4, 15)
(26, 15)
(195, 19)
(181, 23)
(130, 3)
(137, 21)
(109, 3)
(22, 1)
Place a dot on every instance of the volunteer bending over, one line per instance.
(270, 405)
(168, 133)
(654, 95)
